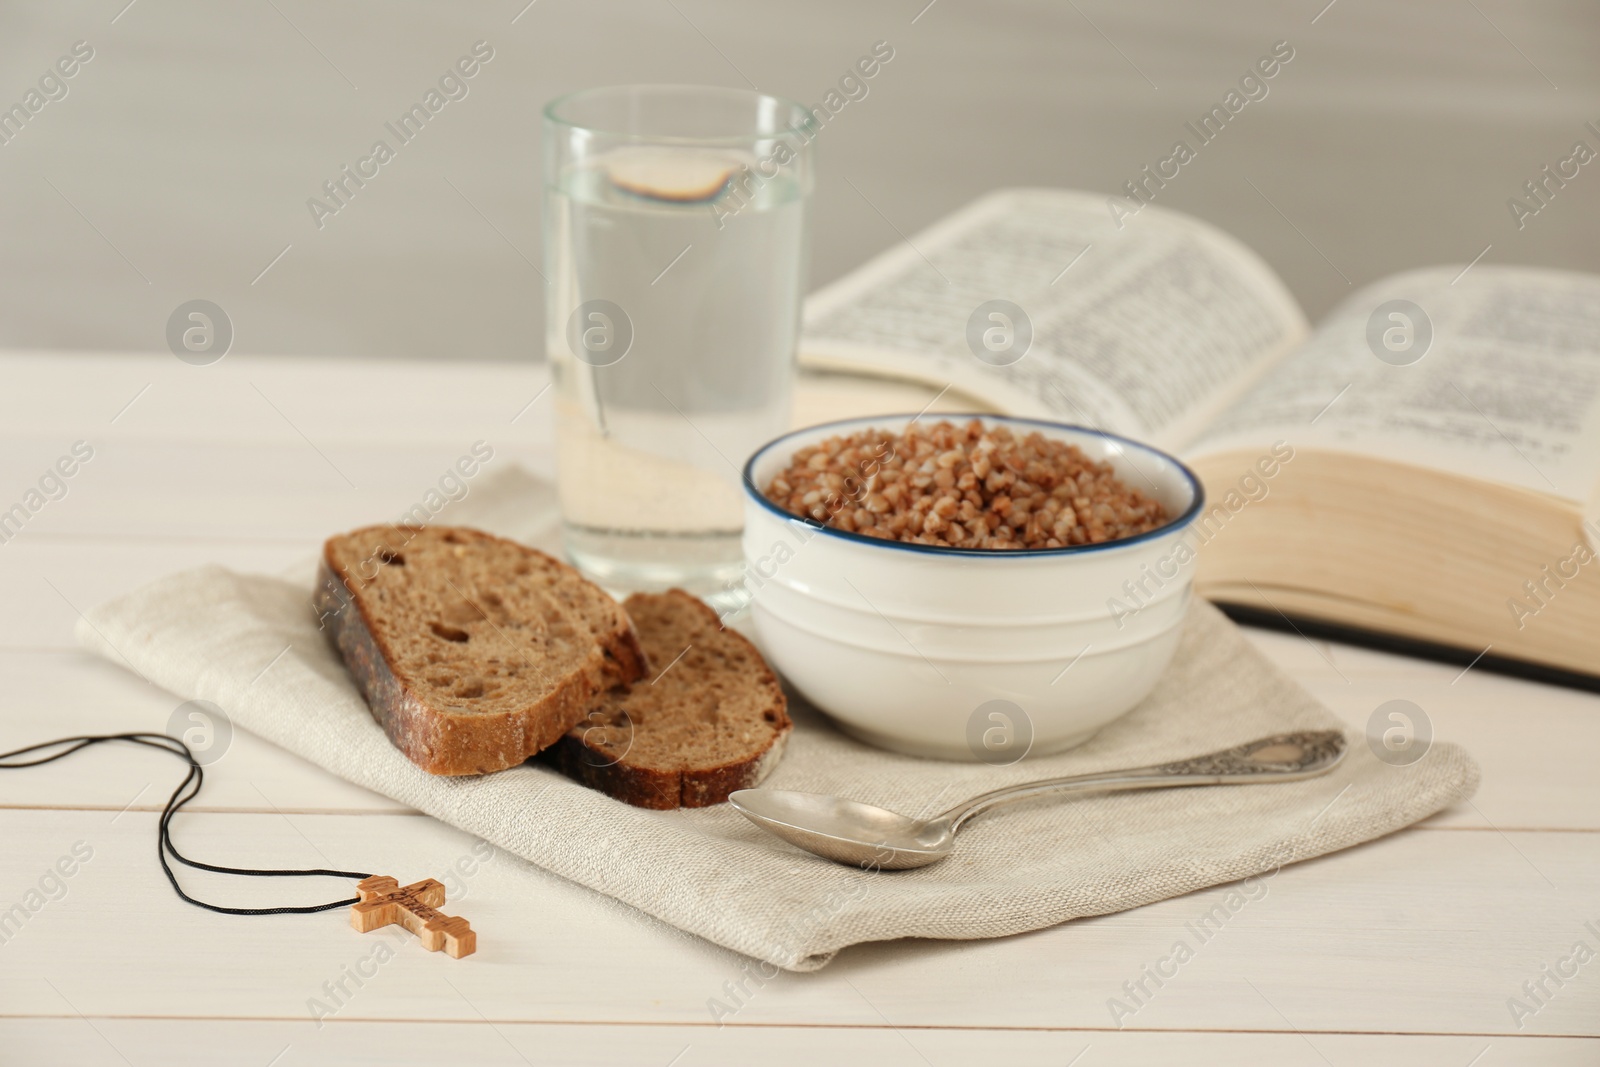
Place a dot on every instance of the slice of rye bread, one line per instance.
(472, 651)
(712, 721)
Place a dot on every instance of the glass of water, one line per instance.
(675, 247)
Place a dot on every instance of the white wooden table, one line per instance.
(1403, 951)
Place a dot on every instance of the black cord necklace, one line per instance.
(179, 798)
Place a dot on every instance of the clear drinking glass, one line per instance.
(675, 244)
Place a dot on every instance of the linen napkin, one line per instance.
(207, 634)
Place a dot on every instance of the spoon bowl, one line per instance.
(847, 831)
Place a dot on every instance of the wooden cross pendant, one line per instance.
(384, 902)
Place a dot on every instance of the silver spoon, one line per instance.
(850, 832)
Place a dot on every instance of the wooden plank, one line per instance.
(280, 490)
(127, 395)
(47, 585)
(1534, 742)
(287, 490)
(1426, 910)
(142, 396)
(253, 449)
(204, 1043)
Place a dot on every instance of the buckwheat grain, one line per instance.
(963, 486)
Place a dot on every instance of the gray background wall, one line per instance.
(179, 163)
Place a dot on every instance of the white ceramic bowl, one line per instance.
(970, 654)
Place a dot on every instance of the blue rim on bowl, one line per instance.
(1183, 520)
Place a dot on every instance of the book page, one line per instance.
(1506, 388)
(1148, 330)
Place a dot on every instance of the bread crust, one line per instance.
(692, 787)
(445, 742)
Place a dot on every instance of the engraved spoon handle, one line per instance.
(1281, 758)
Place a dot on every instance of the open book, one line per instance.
(1424, 465)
